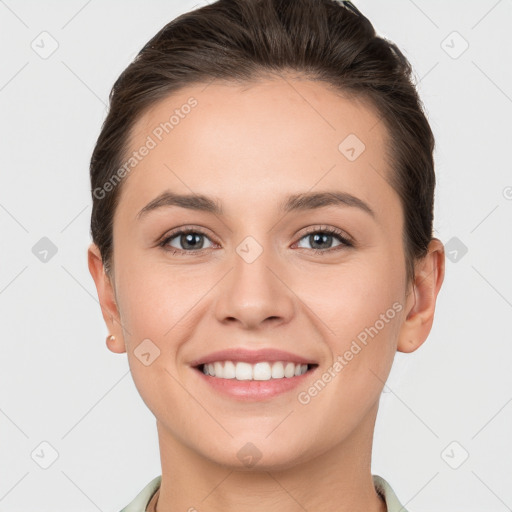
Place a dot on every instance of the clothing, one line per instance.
(145, 501)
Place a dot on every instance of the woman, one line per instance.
(263, 192)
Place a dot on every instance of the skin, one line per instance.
(250, 147)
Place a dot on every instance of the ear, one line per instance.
(421, 299)
(106, 296)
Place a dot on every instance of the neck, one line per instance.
(339, 479)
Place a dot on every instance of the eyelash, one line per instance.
(346, 242)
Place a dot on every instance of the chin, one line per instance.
(259, 455)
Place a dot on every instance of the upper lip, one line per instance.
(251, 356)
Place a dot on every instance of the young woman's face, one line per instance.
(303, 255)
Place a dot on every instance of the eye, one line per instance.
(192, 240)
(321, 239)
(185, 240)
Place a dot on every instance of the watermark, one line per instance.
(304, 397)
(146, 352)
(455, 455)
(352, 147)
(455, 249)
(45, 45)
(157, 135)
(454, 44)
(44, 454)
(249, 455)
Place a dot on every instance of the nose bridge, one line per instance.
(253, 291)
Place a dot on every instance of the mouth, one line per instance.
(253, 375)
(260, 371)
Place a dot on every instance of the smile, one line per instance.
(262, 370)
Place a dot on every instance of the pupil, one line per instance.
(318, 238)
(191, 240)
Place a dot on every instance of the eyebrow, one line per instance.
(296, 202)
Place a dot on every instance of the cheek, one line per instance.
(349, 298)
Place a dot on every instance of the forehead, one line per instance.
(246, 142)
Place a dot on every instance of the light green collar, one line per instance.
(142, 499)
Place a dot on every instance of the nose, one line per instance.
(255, 294)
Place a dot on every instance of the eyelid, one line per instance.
(180, 230)
(344, 238)
(187, 228)
(343, 235)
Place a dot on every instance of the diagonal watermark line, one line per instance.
(492, 81)
(199, 300)
(74, 218)
(381, 175)
(310, 189)
(80, 284)
(122, 377)
(424, 14)
(14, 76)
(14, 218)
(380, 117)
(285, 490)
(222, 481)
(194, 398)
(506, 403)
(493, 287)
(485, 15)
(508, 508)
(81, 491)
(79, 79)
(280, 423)
(76, 14)
(184, 184)
(492, 211)
(208, 84)
(403, 402)
(14, 485)
(13, 279)
(13, 13)
(332, 332)
(13, 423)
(402, 509)
(309, 103)
(95, 299)
(428, 72)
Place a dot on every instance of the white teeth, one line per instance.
(289, 370)
(278, 370)
(262, 371)
(229, 370)
(259, 371)
(243, 371)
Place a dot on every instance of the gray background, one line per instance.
(59, 384)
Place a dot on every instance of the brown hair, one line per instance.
(241, 41)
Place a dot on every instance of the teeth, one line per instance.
(258, 371)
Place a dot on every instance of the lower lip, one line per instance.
(254, 389)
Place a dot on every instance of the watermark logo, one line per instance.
(44, 455)
(455, 455)
(454, 45)
(45, 45)
(455, 249)
(305, 397)
(157, 135)
(249, 249)
(146, 352)
(44, 250)
(352, 147)
(249, 455)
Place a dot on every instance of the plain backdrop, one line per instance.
(74, 433)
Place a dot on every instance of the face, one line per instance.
(293, 255)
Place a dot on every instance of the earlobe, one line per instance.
(106, 296)
(422, 300)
